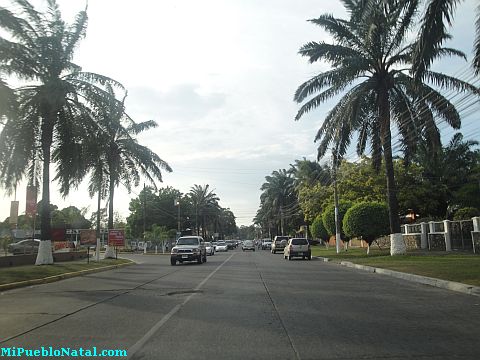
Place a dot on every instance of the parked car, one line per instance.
(221, 246)
(298, 247)
(248, 245)
(266, 244)
(189, 248)
(209, 248)
(279, 243)
(27, 246)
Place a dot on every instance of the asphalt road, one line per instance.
(252, 305)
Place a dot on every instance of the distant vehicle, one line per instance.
(299, 247)
(188, 248)
(266, 244)
(279, 243)
(248, 245)
(27, 246)
(210, 249)
(221, 246)
(232, 244)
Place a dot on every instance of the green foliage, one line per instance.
(328, 217)
(466, 213)
(367, 220)
(318, 229)
(314, 199)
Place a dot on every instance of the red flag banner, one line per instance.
(31, 209)
(116, 238)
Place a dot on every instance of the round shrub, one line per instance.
(318, 230)
(466, 213)
(368, 220)
(328, 217)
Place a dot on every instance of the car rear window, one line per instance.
(299, 242)
(187, 241)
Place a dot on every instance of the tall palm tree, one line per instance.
(203, 200)
(279, 197)
(371, 59)
(117, 156)
(53, 109)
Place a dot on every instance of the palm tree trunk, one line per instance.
(111, 188)
(44, 255)
(397, 246)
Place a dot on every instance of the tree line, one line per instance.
(431, 190)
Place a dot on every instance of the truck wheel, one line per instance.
(173, 262)
(199, 259)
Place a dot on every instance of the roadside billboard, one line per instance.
(88, 237)
(116, 238)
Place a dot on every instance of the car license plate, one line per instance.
(184, 256)
(300, 253)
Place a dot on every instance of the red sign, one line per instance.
(88, 237)
(58, 234)
(116, 238)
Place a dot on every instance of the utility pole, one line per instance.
(281, 220)
(179, 229)
(144, 212)
(337, 215)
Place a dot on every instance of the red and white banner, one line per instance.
(31, 208)
(116, 238)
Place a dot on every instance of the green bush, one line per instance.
(367, 220)
(466, 213)
(318, 229)
(328, 217)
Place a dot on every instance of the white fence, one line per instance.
(445, 235)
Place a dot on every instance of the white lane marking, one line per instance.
(140, 343)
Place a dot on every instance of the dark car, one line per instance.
(189, 248)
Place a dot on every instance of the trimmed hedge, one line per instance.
(328, 217)
(466, 213)
(367, 220)
(318, 229)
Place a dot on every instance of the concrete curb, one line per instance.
(443, 284)
(54, 278)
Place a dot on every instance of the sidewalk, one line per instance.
(443, 284)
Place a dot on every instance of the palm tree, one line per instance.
(117, 156)
(204, 200)
(53, 111)
(371, 59)
(279, 197)
(433, 34)
(309, 173)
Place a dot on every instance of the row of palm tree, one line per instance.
(63, 115)
(385, 80)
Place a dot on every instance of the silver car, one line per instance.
(210, 248)
(27, 246)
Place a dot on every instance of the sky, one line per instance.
(218, 76)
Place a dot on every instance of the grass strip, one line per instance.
(31, 272)
(453, 266)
